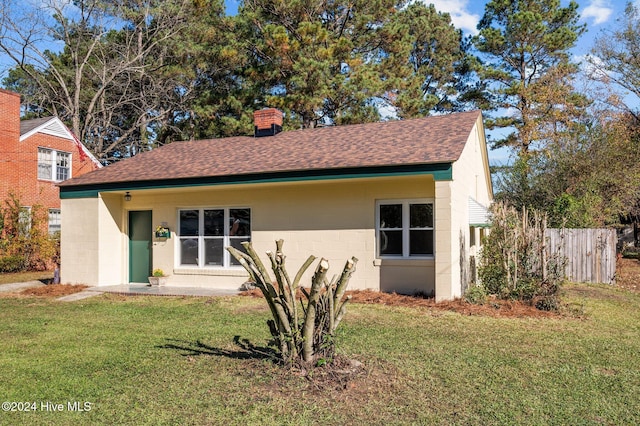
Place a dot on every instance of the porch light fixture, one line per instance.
(127, 196)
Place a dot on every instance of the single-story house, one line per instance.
(404, 197)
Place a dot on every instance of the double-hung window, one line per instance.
(404, 228)
(24, 221)
(53, 165)
(54, 221)
(205, 232)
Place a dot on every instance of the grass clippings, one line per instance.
(628, 274)
(54, 290)
(493, 308)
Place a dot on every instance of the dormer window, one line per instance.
(53, 165)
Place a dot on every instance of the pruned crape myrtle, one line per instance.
(302, 331)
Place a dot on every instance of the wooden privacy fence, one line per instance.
(590, 254)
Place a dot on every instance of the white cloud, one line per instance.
(598, 10)
(460, 15)
(593, 67)
(47, 4)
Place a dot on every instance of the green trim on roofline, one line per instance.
(439, 171)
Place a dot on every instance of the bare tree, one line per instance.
(615, 61)
(104, 67)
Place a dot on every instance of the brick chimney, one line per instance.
(9, 118)
(267, 122)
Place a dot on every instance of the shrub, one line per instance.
(476, 294)
(25, 243)
(548, 303)
(630, 252)
(305, 332)
(514, 262)
(12, 263)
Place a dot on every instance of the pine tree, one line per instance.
(525, 45)
(338, 62)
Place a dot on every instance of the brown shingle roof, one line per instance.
(436, 139)
(28, 125)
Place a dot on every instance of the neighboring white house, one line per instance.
(404, 197)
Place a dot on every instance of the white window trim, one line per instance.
(54, 164)
(25, 220)
(226, 256)
(56, 211)
(406, 202)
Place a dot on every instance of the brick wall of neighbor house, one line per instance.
(44, 192)
(9, 137)
(10, 116)
(19, 170)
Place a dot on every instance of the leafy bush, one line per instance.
(630, 252)
(476, 294)
(548, 303)
(514, 262)
(25, 243)
(631, 255)
(12, 263)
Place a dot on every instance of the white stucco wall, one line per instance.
(334, 219)
(112, 268)
(79, 249)
(470, 179)
(92, 243)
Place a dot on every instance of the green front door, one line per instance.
(139, 246)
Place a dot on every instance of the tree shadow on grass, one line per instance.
(246, 349)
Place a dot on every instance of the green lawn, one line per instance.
(20, 277)
(145, 360)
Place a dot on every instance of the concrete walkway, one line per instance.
(79, 296)
(145, 290)
(132, 290)
(7, 288)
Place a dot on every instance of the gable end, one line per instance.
(53, 127)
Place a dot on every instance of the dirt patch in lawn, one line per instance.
(493, 308)
(344, 381)
(54, 290)
(341, 374)
(628, 274)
